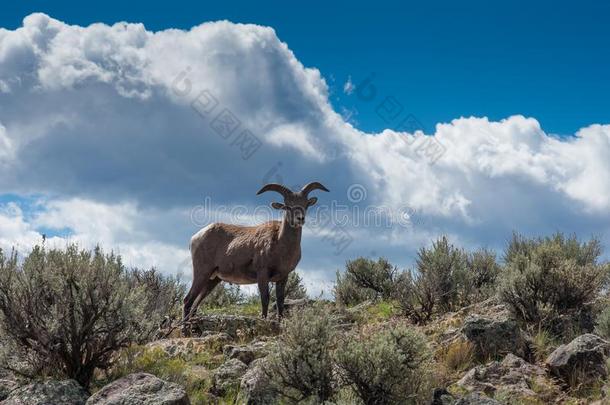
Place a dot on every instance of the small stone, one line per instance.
(246, 353)
(242, 353)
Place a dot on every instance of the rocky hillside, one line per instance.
(461, 329)
(481, 356)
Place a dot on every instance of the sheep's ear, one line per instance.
(312, 201)
(278, 206)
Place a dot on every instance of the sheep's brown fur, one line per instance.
(251, 254)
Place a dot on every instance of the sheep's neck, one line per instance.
(289, 235)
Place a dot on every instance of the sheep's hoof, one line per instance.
(186, 331)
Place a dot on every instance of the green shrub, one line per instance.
(387, 367)
(302, 366)
(294, 290)
(163, 296)
(66, 312)
(365, 279)
(547, 279)
(446, 279)
(416, 295)
(444, 267)
(602, 323)
(483, 271)
(570, 248)
(224, 295)
(347, 292)
(381, 311)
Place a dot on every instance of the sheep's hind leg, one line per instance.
(201, 286)
(263, 288)
(196, 288)
(280, 290)
(188, 302)
(209, 285)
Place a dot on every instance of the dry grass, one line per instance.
(457, 356)
(543, 344)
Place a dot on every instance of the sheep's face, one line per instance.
(295, 208)
(295, 204)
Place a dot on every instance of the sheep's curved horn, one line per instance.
(283, 190)
(311, 187)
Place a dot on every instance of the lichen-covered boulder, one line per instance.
(67, 392)
(254, 387)
(583, 359)
(495, 336)
(510, 380)
(236, 326)
(140, 389)
(228, 375)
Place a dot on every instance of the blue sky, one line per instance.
(441, 59)
(107, 130)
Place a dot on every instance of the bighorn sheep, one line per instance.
(251, 254)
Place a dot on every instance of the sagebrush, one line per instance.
(66, 312)
(302, 367)
(551, 282)
(365, 279)
(390, 366)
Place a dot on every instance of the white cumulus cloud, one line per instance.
(123, 130)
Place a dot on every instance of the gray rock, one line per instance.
(254, 386)
(581, 360)
(67, 392)
(494, 336)
(140, 389)
(242, 353)
(228, 375)
(476, 398)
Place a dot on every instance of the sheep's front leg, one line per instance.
(263, 289)
(280, 289)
